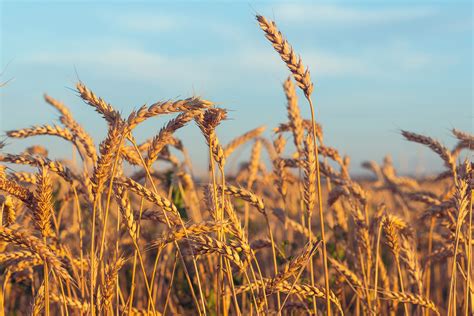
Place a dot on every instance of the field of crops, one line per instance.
(128, 229)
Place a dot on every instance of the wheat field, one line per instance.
(126, 228)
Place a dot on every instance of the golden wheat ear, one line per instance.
(294, 62)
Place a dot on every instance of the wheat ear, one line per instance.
(294, 62)
(242, 139)
(36, 246)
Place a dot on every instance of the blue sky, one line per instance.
(378, 67)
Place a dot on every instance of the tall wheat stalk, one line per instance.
(303, 79)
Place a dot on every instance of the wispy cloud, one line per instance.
(141, 21)
(133, 63)
(171, 22)
(304, 13)
(406, 58)
(207, 70)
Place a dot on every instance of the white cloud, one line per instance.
(132, 63)
(216, 69)
(140, 64)
(144, 21)
(320, 14)
(143, 64)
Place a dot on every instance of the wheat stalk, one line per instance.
(167, 107)
(108, 112)
(204, 244)
(177, 233)
(294, 62)
(410, 298)
(245, 195)
(162, 202)
(242, 139)
(434, 145)
(36, 246)
(43, 203)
